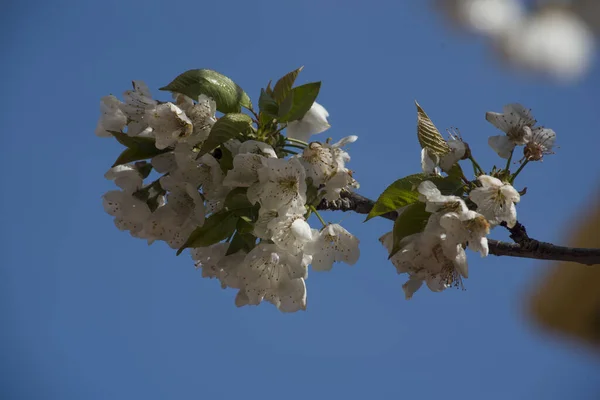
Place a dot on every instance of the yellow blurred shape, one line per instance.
(568, 300)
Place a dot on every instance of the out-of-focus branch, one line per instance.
(524, 246)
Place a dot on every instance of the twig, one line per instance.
(524, 246)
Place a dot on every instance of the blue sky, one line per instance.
(87, 312)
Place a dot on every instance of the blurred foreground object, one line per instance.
(568, 300)
(555, 39)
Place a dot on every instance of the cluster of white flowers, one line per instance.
(519, 125)
(189, 190)
(437, 255)
(555, 39)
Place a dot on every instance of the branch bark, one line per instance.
(524, 246)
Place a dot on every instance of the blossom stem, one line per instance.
(297, 146)
(254, 113)
(514, 176)
(288, 151)
(282, 127)
(476, 166)
(507, 168)
(296, 141)
(314, 209)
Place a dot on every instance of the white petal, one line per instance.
(498, 120)
(315, 121)
(544, 137)
(489, 181)
(256, 147)
(429, 162)
(302, 230)
(552, 41)
(245, 170)
(511, 216)
(510, 193)
(164, 162)
(502, 145)
(517, 114)
(345, 140)
(411, 286)
(429, 190)
(460, 262)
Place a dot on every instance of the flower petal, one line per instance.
(502, 145)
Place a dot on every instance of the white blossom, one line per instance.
(215, 263)
(428, 258)
(342, 180)
(488, 17)
(319, 161)
(130, 212)
(272, 274)
(288, 296)
(467, 227)
(164, 162)
(325, 164)
(245, 170)
(281, 185)
(539, 143)
(256, 147)
(458, 149)
(211, 178)
(429, 162)
(517, 122)
(436, 201)
(138, 102)
(313, 122)
(261, 226)
(322, 160)
(333, 244)
(111, 117)
(201, 114)
(169, 124)
(290, 233)
(183, 212)
(126, 177)
(553, 41)
(496, 200)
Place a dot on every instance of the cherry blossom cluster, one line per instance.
(238, 189)
(242, 207)
(554, 37)
(436, 254)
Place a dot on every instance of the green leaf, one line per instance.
(225, 92)
(303, 98)
(286, 106)
(144, 168)
(283, 86)
(226, 160)
(227, 127)
(237, 200)
(138, 148)
(219, 226)
(399, 194)
(412, 220)
(241, 241)
(404, 191)
(245, 225)
(267, 104)
(429, 136)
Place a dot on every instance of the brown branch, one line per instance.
(524, 246)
